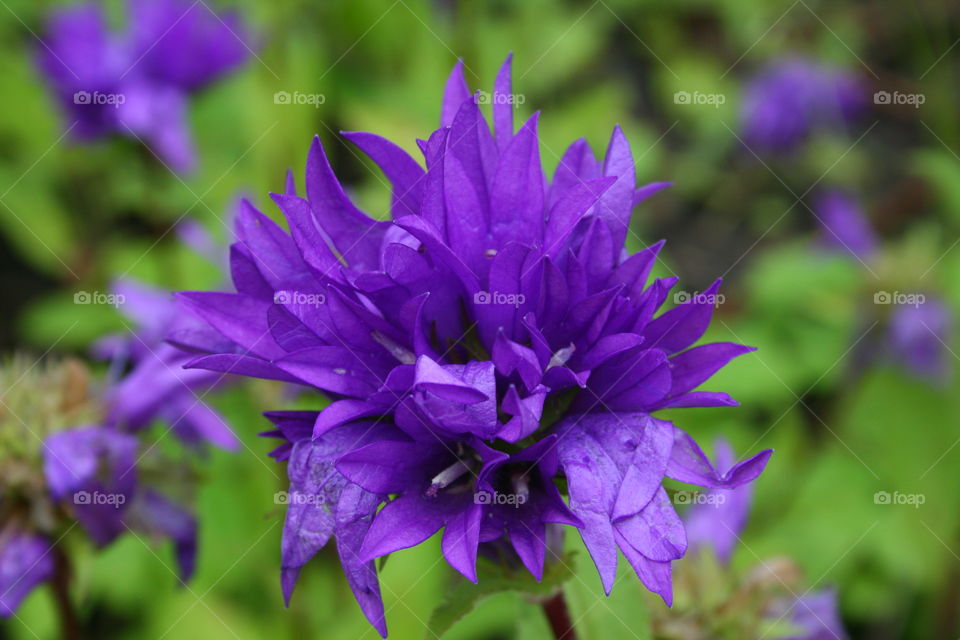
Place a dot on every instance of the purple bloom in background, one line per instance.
(717, 522)
(918, 336)
(26, 561)
(137, 83)
(813, 616)
(157, 386)
(91, 472)
(788, 99)
(85, 462)
(844, 226)
(490, 336)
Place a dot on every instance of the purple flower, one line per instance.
(844, 227)
(85, 463)
(490, 337)
(94, 470)
(137, 83)
(788, 99)
(26, 561)
(918, 336)
(91, 474)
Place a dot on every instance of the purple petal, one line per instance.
(683, 325)
(353, 515)
(517, 199)
(454, 95)
(689, 464)
(405, 522)
(401, 170)
(460, 541)
(503, 104)
(692, 367)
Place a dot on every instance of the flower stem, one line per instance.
(69, 628)
(558, 615)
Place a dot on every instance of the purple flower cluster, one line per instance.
(789, 99)
(94, 474)
(490, 339)
(917, 333)
(137, 83)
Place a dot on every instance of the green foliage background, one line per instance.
(846, 422)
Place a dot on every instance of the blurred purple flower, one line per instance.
(844, 227)
(814, 616)
(93, 469)
(717, 522)
(918, 335)
(84, 463)
(786, 100)
(137, 83)
(491, 334)
(26, 561)
(157, 387)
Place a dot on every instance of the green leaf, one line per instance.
(494, 578)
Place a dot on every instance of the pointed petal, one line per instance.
(460, 541)
(689, 464)
(517, 198)
(503, 104)
(405, 522)
(455, 94)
